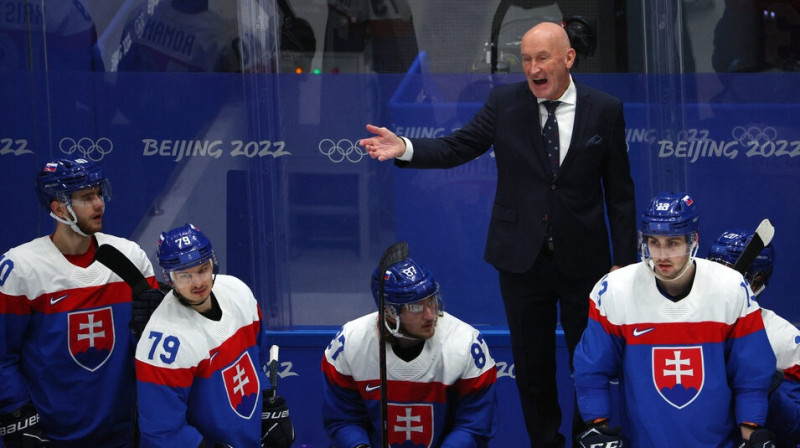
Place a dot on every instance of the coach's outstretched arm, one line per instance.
(385, 145)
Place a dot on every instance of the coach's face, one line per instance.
(546, 60)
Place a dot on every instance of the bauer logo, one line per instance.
(678, 374)
(410, 422)
(242, 385)
(91, 337)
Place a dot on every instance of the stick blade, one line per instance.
(395, 253)
(761, 238)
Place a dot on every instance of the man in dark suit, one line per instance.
(547, 237)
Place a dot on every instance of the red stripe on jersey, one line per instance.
(792, 373)
(407, 391)
(14, 304)
(649, 333)
(594, 314)
(229, 351)
(335, 377)
(748, 324)
(82, 298)
(149, 373)
(466, 386)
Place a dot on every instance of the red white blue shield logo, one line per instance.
(91, 337)
(410, 425)
(242, 385)
(678, 374)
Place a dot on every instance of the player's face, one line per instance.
(669, 254)
(194, 284)
(418, 319)
(546, 63)
(89, 205)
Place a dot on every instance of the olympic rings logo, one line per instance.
(86, 147)
(340, 150)
(754, 134)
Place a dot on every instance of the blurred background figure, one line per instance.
(369, 36)
(61, 37)
(757, 35)
(197, 36)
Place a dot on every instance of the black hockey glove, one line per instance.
(143, 305)
(600, 437)
(21, 429)
(277, 430)
(760, 438)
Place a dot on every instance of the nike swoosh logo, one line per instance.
(637, 332)
(54, 300)
(213, 356)
(369, 388)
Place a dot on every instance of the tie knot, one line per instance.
(551, 105)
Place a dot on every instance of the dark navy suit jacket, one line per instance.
(595, 175)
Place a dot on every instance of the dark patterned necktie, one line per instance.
(550, 134)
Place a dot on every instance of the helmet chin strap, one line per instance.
(396, 330)
(73, 224)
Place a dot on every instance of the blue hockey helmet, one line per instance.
(61, 177)
(183, 248)
(404, 283)
(728, 247)
(670, 214)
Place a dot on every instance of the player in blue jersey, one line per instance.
(783, 417)
(201, 360)
(684, 336)
(66, 352)
(440, 375)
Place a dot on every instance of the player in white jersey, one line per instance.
(66, 351)
(440, 375)
(684, 336)
(783, 417)
(200, 364)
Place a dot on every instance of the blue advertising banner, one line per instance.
(269, 167)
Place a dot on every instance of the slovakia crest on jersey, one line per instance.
(91, 337)
(678, 374)
(410, 425)
(242, 385)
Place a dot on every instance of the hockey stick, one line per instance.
(395, 253)
(762, 236)
(273, 371)
(119, 264)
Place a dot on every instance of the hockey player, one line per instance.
(440, 375)
(783, 417)
(66, 352)
(201, 360)
(686, 339)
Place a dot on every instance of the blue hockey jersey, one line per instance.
(690, 370)
(201, 378)
(445, 397)
(65, 343)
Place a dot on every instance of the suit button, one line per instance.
(552, 186)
